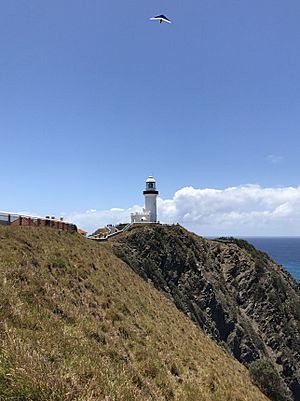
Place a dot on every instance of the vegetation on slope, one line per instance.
(77, 324)
(236, 294)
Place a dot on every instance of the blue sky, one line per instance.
(94, 97)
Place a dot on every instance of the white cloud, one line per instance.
(92, 219)
(242, 210)
(274, 159)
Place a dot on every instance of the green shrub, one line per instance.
(264, 375)
(57, 261)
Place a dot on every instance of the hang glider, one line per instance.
(161, 18)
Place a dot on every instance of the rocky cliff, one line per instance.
(237, 295)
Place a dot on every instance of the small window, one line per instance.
(150, 185)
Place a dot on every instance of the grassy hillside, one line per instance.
(76, 323)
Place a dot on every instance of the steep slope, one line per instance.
(237, 295)
(76, 323)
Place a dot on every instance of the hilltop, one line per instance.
(237, 295)
(76, 323)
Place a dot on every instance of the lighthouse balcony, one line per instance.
(150, 191)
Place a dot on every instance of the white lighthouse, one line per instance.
(150, 194)
(149, 213)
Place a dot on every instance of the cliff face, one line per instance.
(236, 294)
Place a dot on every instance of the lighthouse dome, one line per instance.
(150, 179)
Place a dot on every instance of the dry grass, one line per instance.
(77, 324)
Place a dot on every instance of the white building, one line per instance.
(149, 213)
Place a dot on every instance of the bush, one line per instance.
(57, 261)
(264, 375)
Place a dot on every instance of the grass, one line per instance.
(76, 323)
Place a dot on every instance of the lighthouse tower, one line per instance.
(149, 213)
(150, 194)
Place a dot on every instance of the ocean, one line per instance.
(284, 250)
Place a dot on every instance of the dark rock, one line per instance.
(237, 295)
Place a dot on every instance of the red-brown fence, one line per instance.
(15, 219)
